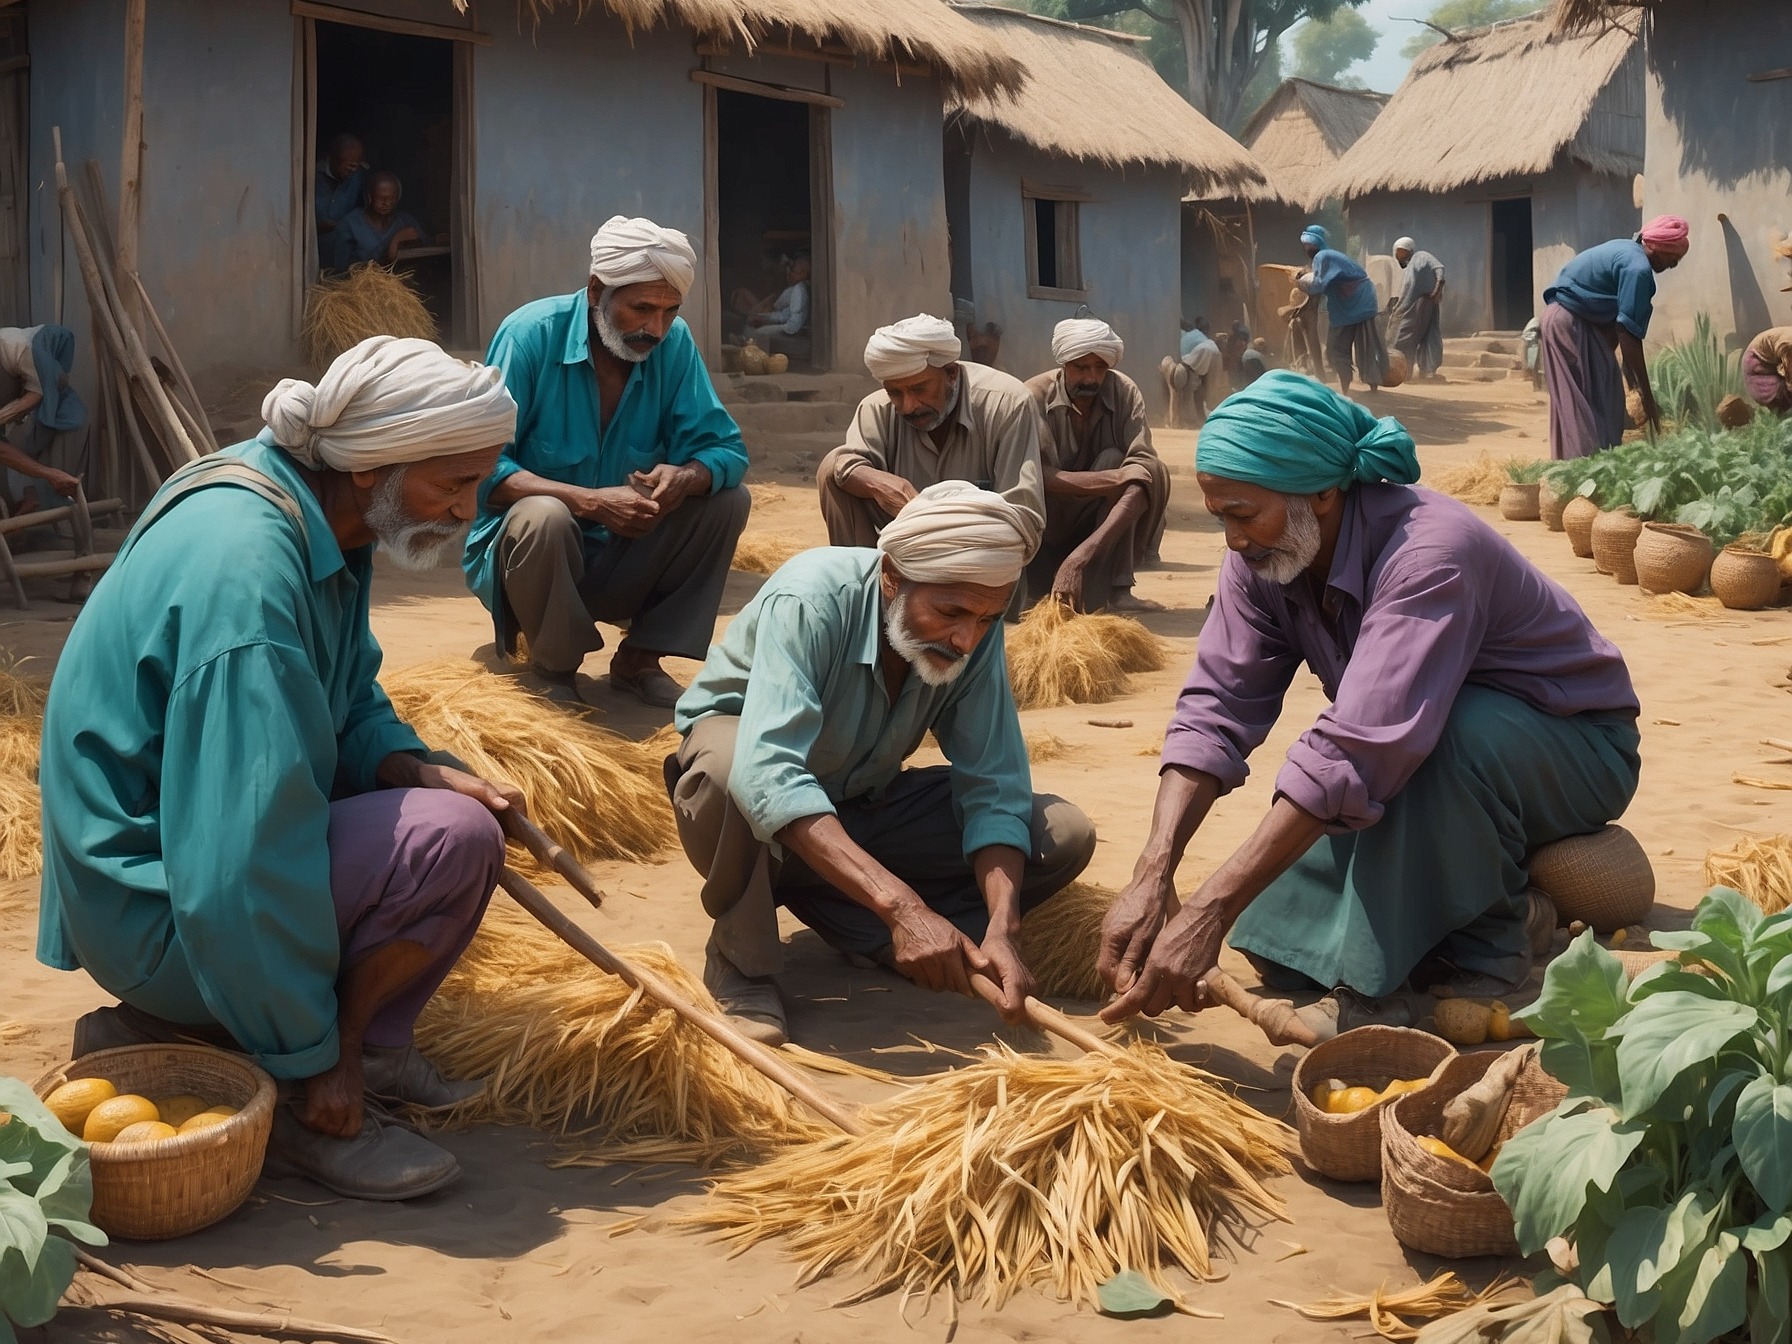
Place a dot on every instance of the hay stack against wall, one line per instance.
(370, 300)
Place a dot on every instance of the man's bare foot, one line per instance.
(1124, 599)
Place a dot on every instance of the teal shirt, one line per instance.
(217, 691)
(669, 412)
(800, 668)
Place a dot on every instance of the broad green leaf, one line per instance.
(1667, 1034)
(1770, 1311)
(1638, 1241)
(1718, 1298)
(23, 1227)
(1704, 946)
(1779, 979)
(1129, 1293)
(30, 1295)
(1583, 995)
(1726, 1088)
(1543, 1171)
(1688, 1225)
(1729, 916)
(1766, 1233)
(1563, 1315)
(1670, 976)
(1763, 1132)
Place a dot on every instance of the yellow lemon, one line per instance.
(1350, 1100)
(74, 1101)
(146, 1131)
(178, 1110)
(1438, 1148)
(105, 1120)
(206, 1119)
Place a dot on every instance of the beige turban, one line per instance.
(638, 251)
(905, 348)
(390, 400)
(954, 532)
(1075, 337)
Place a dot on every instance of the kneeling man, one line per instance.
(789, 788)
(1105, 489)
(241, 839)
(1475, 714)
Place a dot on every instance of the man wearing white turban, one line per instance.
(938, 418)
(242, 840)
(1106, 491)
(789, 788)
(620, 498)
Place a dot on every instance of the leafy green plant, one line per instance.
(1522, 472)
(1669, 1165)
(1691, 378)
(46, 1189)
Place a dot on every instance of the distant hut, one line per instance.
(1505, 151)
(1719, 154)
(1069, 194)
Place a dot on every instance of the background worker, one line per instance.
(1351, 307)
(376, 230)
(1766, 369)
(242, 841)
(781, 325)
(341, 179)
(1106, 491)
(1419, 329)
(789, 788)
(620, 499)
(44, 419)
(1196, 378)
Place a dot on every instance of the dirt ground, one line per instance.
(517, 1250)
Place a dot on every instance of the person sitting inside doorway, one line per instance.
(341, 178)
(780, 326)
(1106, 491)
(378, 229)
(44, 418)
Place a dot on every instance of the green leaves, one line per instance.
(1583, 995)
(46, 1189)
(1763, 1135)
(1129, 1294)
(1665, 1035)
(1543, 1171)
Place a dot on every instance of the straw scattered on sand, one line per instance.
(1060, 657)
(1683, 604)
(1444, 1295)
(1477, 482)
(21, 726)
(1042, 747)
(370, 300)
(763, 553)
(764, 496)
(1759, 866)
(1061, 938)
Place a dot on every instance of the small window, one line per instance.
(1054, 246)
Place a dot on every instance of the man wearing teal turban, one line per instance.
(1352, 307)
(1475, 714)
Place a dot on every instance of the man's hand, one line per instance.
(1006, 967)
(623, 509)
(61, 482)
(884, 489)
(499, 797)
(932, 952)
(335, 1099)
(1184, 950)
(669, 486)
(1067, 585)
(1130, 928)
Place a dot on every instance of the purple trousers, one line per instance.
(1586, 388)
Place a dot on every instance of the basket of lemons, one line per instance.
(1342, 1085)
(176, 1133)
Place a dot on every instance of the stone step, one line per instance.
(1494, 345)
(1473, 375)
(803, 449)
(1481, 359)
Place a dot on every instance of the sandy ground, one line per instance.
(517, 1250)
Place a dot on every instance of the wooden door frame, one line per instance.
(823, 285)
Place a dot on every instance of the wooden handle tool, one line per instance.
(1047, 1018)
(548, 851)
(1275, 1016)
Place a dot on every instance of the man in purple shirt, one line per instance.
(1476, 714)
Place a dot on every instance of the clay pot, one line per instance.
(1614, 544)
(1397, 370)
(1672, 558)
(1519, 502)
(1550, 506)
(1744, 579)
(1577, 522)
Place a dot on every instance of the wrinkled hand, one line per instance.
(621, 508)
(61, 482)
(932, 952)
(499, 797)
(1007, 968)
(889, 491)
(1186, 948)
(1129, 929)
(334, 1100)
(1067, 585)
(669, 486)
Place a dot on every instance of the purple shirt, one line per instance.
(1422, 597)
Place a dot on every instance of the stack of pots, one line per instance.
(1672, 558)
(1614, 537)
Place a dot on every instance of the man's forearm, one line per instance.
(822, 842)
(1286, 832)
(1117, 526)
(998, 869)
(19, 462)
(1184, 797)
(522, 484)
(1083, 484)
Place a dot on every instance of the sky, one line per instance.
(1386, 68)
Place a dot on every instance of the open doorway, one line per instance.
(766, 253)
(1510, 264)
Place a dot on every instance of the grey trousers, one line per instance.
(911, 829)
(1070, 521)
(666, 586)
(851, 521)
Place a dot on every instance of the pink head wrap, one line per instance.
(1667, 234)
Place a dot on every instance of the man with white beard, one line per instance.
(242, 841)
(1475, 715)
(789, 788)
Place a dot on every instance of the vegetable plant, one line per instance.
(1691, 378)
(46, 1188)
(1669, 1164)
(1526, 472)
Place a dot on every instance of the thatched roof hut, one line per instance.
(1302, 131)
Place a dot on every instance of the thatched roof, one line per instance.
(922, 32)
(1579, 16)
(1499, 102)
(1303, 129)
(1091, 94)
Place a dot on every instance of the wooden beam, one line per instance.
(779, 91)
(41, 517)
(1046, 191)
(307, 9)
(130, 173)
(1764, 76)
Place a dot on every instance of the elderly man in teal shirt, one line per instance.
(789, 788)
(620, 499)
(242, 841)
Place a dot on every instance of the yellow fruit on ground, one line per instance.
(178, 1110)
(74, 1101)
(206, 1119)
(1350, 1100)
(1462, 1021)
(146, 1131)
(105, 1120)
(1438, 1148)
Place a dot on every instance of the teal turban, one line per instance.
(1316, 235)
(1291, 434)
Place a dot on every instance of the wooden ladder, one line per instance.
(81, 563)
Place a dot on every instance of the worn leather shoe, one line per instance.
(751, 1002)
(1345, 1010)
(401, 1074)
(384, 1161)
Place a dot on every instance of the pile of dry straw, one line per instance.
(341, 311)
(1060, 940)
(21, 725)
(763, 552)
(1060, 657)
(1759, 866)
(1477, 482)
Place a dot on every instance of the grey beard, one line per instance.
(916, 653)
(412, 543)
(613, 338)
(945, 411)
(1299, 546)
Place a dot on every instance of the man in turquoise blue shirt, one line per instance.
(242, 841)
(789, 788)
(620, 499)
(1352, 307)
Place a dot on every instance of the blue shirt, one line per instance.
(1612, 282)
(217, 691)
(1349, 292)
(801, 667)
(357, 240)
(334, 199)
(1190, 340)
(669, 412)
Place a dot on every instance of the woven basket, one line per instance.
(1603, 879)
(152, 1191)
(1348, 1147)
(1397, 370)
(1442, 1207)
(1520, 502)
(1745, 579)
(1549, 507)
(1577, 521)
(1672, 558)
(1614, 544)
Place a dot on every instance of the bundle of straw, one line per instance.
(1682, 604)
(1057, 656)
(571, 1050)
(21, 727)
(1477, 482)
(1759, 866)
(1018, 1170)
(1061, 938)
(1444, 1295)
(370, 300)
(597, 793)
(763, 552)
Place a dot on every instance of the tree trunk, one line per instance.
(1195, 18)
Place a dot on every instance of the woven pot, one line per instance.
(169, 1188)
(1348, 1147)
(1550, 506)
(1396, 370)
(1603, 879)
(1672, 558)
(1520, 502)
(1577, 521)
(1744, 579)
(1438, 1206)
(1614, 544)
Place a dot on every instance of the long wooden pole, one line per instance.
(539, 843)
(1274, 1017)
(130, 172)
(174, 362)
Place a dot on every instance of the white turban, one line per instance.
(638, 251)
(954, 532)
(390, 400)
(1075, 337)
(1405, 245)
(905, 348)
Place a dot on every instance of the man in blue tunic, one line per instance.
(337, 190)
(1351, 306)
(620, 499)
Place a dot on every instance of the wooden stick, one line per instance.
(98, 509)
(713, 1025)
(185, 1311)
(542, 845)
(128, 415)
(130, 171)
(1275, 1016)
(174, 361)
(123, 1277)
(10, 573)
(72, 564)
(1047, 1018)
